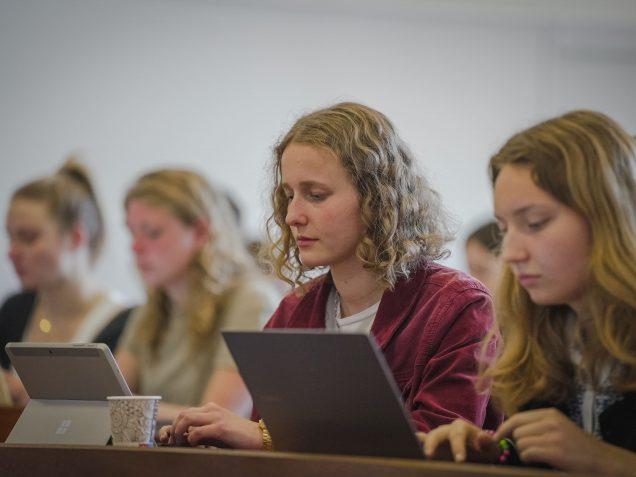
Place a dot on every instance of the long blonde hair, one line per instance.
(586, 161)
(216, 267)
(404, 219)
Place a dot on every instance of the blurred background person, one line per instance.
(5, 397)
(200, 279)
(482, 254)
(258, 249)
(56, 231)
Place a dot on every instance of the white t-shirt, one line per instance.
(360, 322)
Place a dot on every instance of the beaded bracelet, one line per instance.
(508, 453)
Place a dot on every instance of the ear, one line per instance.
(78, 236)
(202, 232)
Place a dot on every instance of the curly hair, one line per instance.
(405, 222)
(70, 198)
(586, 161)
(216, 267)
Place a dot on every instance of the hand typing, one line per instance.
(211, 424)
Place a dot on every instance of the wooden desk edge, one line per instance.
(384, 466)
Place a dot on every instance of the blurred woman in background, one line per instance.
(200, 279)
(5, 396)
(482, 254)
(56, 232)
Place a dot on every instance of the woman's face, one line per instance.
(163, 245)
(37, 248)
(483, 264)
(323, 211)
(546, 244)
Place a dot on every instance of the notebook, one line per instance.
(67, 385)
(324, 392)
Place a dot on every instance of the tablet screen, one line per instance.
(80, 371)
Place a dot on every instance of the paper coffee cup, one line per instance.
(133, 420)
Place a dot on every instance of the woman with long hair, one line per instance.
(56, 232)
(348, 201)
(565, 200)
(199, 278)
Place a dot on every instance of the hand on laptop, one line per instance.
(460, 441)
(214, 425)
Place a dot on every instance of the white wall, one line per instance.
(137, 84)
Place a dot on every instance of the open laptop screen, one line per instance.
(324, 392)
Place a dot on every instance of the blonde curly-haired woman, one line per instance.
(348, 201)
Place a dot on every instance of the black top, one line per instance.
(617, 423)
(15, 313)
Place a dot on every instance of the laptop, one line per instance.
(324, 392)
(67, 385)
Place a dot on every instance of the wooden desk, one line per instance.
(29, 460)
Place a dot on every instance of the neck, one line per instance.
(583, 317)
(178, 290)
(68, 297)
(358, 288)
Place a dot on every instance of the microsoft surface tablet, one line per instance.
(67, 385)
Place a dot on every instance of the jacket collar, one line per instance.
(395, 307)
(313, 304)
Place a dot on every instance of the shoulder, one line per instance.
(25, 299)
(14, 316)
(114, 302)
(121, 318)
(450, 279)
(306, 291)
(17, 306)
(444, 285)
(250, 303)
(305, 295)
(447, 298)
(130, 319)
(255, 288)
(112, 332)
(253, 294)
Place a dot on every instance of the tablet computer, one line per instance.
(324, 392)
(67, 385)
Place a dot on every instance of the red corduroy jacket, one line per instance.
(430, 329)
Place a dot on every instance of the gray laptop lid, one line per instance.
(68, 385)
(324, 392)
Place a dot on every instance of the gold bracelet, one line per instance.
(267, 439)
